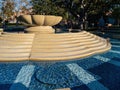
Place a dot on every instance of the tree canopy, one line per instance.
(74, 8)
(80, 10)
(7, 7)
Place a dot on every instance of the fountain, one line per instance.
(42, 44)
(51, 47)
(40, 23)
(48, 46)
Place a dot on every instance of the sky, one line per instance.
(18, 4)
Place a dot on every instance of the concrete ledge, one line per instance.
(51, 47)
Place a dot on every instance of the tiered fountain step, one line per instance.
(15, 47)
(45, 47)
(67, 46)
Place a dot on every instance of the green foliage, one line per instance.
(22, 5)
(77, 10)
(47, 7)
(116, 13)
(8, 7)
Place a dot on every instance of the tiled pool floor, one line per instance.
(99, 72)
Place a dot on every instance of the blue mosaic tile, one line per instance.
(9, 71)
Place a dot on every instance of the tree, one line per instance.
(47, 7)
(81, 9)
(22, 5)
(7, 7)
(116, 10)
(78, 10)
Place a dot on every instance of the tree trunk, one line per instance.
(85, 22)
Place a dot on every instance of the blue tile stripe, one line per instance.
(116, 63)
(115, 46)
(86, 78)
(113, 51)
(23, 77)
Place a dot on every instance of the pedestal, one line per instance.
(40, 29)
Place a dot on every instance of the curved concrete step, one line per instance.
(67, 46)
(14, 54)
(71, 57)
(17, 40)
(21, 50)
(60, 36)
(55, 50)
(70, 52)
(43, 47)
(15, 47)
(8, 59)
(65, 41)
(15, 43)
(17, 34)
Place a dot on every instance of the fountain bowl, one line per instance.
(39, 20)
(39, 23)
